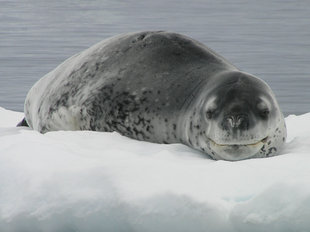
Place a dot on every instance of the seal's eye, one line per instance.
(211, 107)
(263, 109)
(209, 113)
(264, 113)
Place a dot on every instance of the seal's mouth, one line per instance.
(260, 142)
(236, 151)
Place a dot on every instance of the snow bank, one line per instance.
(90, 181)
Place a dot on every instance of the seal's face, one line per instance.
(241, 120)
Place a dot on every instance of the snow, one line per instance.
(94, 181)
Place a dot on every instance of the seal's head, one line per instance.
(237, 117)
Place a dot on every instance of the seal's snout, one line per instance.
(236, 121)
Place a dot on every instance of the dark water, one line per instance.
(268, 38)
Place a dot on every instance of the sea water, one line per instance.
(270, 39)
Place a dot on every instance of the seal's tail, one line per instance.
(23, 123)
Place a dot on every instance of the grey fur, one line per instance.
(150, 86)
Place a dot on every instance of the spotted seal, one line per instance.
(160, 87)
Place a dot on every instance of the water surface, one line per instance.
(270, 39)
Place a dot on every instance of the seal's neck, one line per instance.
(189, 125)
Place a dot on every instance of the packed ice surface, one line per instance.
(94, 181)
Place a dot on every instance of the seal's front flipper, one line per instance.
(23, 123)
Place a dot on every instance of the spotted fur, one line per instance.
(150, 86)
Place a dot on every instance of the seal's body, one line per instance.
(160, 87)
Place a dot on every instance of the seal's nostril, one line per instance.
(231, 121)
(234, 121)
(237, 121)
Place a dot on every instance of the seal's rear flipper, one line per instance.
(23, 123)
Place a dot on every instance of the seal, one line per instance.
(160, 87)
